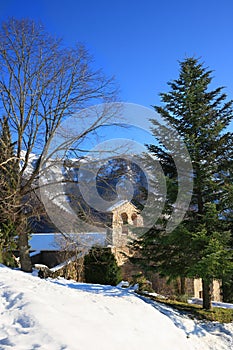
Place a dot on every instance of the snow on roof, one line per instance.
(36, 252)
(65, 263)
(57, 241)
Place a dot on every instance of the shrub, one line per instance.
(100, 266)
(183, 298)
(7, 244)
(143, 284)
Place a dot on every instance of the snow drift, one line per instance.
(60, 314)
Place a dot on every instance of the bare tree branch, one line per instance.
(42, 83)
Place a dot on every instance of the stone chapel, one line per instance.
(125, 215)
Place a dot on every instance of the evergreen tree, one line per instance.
(8, 198)
(228, 215)
(100, 266)
(197, 247)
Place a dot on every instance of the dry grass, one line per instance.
(196, 311)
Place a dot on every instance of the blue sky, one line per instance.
(140, 42)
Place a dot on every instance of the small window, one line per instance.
(124, 218)
(134, 219)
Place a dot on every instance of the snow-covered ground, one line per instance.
(60, 314)
(214, 303)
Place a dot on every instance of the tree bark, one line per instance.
(206, 294)
(24, 256)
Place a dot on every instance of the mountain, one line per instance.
(78, 186)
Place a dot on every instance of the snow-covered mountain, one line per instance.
(60, 314)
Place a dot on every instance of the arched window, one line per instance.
(124, 218)
(134, 219)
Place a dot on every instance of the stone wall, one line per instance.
(215, 289)
(123, 217)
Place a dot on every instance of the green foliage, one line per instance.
(8, 164)
(227, 288)
(183, 298)
(200, 245)
(8, 200)
(101, 267)
(214, 256)
(7, 244)
(143, 284)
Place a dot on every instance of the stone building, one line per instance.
(122, 218)
(125, 216)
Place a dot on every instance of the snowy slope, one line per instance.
(60, 314)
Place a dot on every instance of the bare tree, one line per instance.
(41, 83)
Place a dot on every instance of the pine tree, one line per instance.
(196, 247)
(8, 198)
(228, 215)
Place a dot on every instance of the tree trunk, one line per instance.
(182, 285)
(206, 294)
(24, 256)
